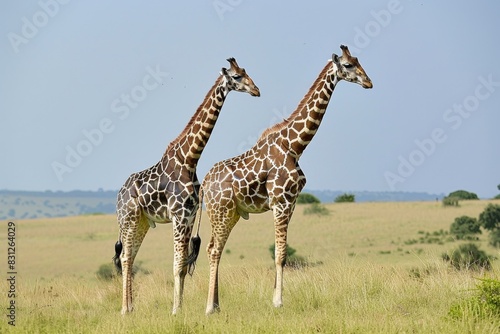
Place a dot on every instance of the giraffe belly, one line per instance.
(252, 204)
(156, 218)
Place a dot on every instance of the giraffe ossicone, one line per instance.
(167, 192)
(268, 176)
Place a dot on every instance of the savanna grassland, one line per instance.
(374, 268)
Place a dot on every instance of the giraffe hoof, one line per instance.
(278, 304)
(126, 310)
(212, 310)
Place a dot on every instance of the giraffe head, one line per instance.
(238, 79)
(349, 69)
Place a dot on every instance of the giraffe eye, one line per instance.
(236, 77)
(347, 65)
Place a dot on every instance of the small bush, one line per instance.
(345, 198)
(316, 209)
(495, 238)
(305, 198)
(490, 217)
(292, 260)
(490, 220)
(469, 257)
(289, 251)
(465, 228)
(411, 242)
(420, 273)
(106, 271)
(484, 303)
(488, 294)
(436, 237)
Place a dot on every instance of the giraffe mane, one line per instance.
(187, 128)
(302, 104)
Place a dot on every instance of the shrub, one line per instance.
(292, 260)
(450, 201)
(420, 273)
(345, 198)
(468, 256)
(495, 238)
(305, 198)
(463, 194)
(316, 209)
(488, 294)
(484, 303)
(106, 271)
(465, 227)
(289, 251)
(490, 217)
(490, 220)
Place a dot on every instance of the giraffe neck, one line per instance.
(189, 145)
(300, 128)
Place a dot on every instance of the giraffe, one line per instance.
(268, 176)
(167, 192)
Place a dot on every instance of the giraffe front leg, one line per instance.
(179, 277)
(181, 249)
(280, 259)
(281, 219)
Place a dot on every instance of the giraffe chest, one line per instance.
(175, 200)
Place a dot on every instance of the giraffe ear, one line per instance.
(223, 71)
(335, 59)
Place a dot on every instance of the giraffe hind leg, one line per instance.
(213, 286)
(214, 251)
(132, 238)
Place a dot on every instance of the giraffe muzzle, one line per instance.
(367, 84)
(255, 92)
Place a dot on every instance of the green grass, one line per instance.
(370, 279)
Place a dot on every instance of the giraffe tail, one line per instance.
(116, 258)
(195, 242)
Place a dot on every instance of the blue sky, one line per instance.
(93, 91)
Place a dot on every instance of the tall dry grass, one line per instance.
(369, 280)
